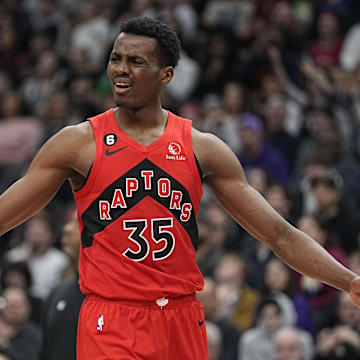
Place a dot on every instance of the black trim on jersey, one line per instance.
(198, 167)
(91, 219)
(85, 181)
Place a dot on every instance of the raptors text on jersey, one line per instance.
(137, 214)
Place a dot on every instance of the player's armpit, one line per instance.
(53, 164)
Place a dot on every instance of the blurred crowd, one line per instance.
(278, 81)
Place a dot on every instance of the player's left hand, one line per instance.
(355, 291)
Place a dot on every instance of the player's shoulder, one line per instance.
(66, 145)
(209, 150)
(206, 143)
(74, 134)
(82, 129)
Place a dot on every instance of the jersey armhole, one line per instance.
(92, 173)
(194, 163)
(199, 167)
(85, 181)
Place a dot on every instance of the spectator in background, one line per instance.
(350, 54)
(57, 114)
(213, 112)
(256, 153)
(5, 84)
(47, 78)
(314, 95)
(214, 341)
(185, 79)
(279, 285)
(275, 115)
(237, 299)
(13, 56)
(276, 281)
(258, 343)
(46, 262)
(79, 64)
(325, 49)
(342, 340)
(19, 338)
(325, 140)
(288, 345)
(212, 237)
(212, 308)
(39, 42)
(233, 99)
(91, 32)
(84, 100)
(293, 344)
(20, 135)
(11, 106)
(192, 110)
(17, 274)
(60, 316)
(335, 211)
(46, 18)
(321, 296)
(321, 128)
(235, 15)
(213, 60)
(315, 165)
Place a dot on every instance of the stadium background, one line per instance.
(278, 81)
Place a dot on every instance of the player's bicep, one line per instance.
(227, 180)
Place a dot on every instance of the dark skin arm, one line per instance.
(67, 155)
(225, 176)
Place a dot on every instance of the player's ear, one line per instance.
(167, 75)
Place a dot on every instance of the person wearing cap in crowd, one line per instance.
(256, 153)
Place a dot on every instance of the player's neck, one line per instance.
(145, 118)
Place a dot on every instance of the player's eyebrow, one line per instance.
(130, 54)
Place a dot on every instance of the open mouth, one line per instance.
(121, 87)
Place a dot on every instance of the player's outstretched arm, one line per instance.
(55, 162)
(224, 174)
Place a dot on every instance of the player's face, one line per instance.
(134, 71)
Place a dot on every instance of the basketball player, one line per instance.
(136, 172)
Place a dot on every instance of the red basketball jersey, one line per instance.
(137, 214)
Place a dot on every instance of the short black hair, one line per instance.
(268, 301)
(332, 180)
(18, 267)
(168, 43)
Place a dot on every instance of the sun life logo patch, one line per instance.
(175, 150)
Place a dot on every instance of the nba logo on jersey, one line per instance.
(100, 323)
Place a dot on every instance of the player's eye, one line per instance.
(138, 61)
